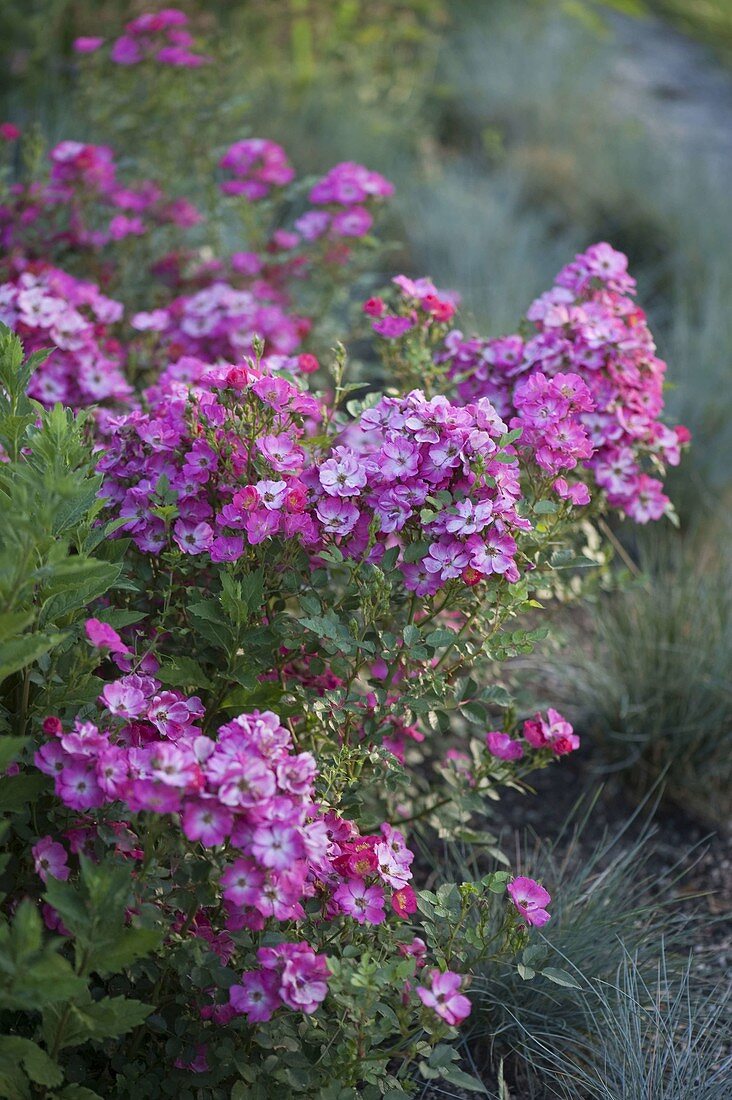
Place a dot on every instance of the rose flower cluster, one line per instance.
(82, 206)
(226, 451)
(244, 790)
(420, 303)
(432, 478)
(50, 309)
(345, 197)
(554, 733)
(255, 166)
(159, 36)
(222, 322)
(229, 452)
(585, 385)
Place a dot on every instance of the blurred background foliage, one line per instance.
(708, 20)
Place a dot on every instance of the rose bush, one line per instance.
(253, 619)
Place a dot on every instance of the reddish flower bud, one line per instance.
(374, 307)
(307, 363)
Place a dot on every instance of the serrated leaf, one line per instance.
(388, 1013)
(129, 945)
(183, 672)
(70, 511)
(67, 900)
(14, 1085)
(497, 695)
(474, 712)
(26, 931)
(14, 623)
(67, 592)
(108, 1018)
(37, 1064)
(208, 610)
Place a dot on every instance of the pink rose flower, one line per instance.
(444, 997)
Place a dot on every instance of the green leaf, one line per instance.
(108, 1018)
(545, 507)
(497, 695)
(207, 619)
(14, 623)
(37, 1064)
(32, 975)
(560, 977)
(389, 559)
(24, 651)
(10, 749)
(26, 933)
(77, 1092)
(67, 900)
(441, 1056)
(208, 610)
(94, 911)
(14, 1084)
(496, 881)
(16, 791)
(70, 593)
(129, 945)
(463, 1080)
(183, 672)
(242, 598)
(48, 981)
(475, 712)
(441, 637)
(74, 509)
(415, 551)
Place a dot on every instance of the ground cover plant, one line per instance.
(255, 613)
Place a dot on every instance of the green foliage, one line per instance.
(51, 547)
(708, 20)
(36, 979)
(51, 569)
